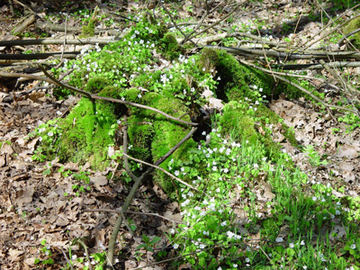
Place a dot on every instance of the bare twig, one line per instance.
(341, 41)
(134, 188)
(25, 23)
(302, 89)
(161, 169)
(48, 41)
(186, 38)
(67, 260)
(86, 252)
(319, 66)
(290, 56)
(176, 26)
(51, 79)
(217, 22)
(69, 55)
(132, 212)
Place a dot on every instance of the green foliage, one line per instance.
(314, 157)
(48, 254)
(352, 26)
(170, 47)
(352, 120)
(96, 84)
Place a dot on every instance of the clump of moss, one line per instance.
(352, 26)
(237, 81)
(208, 60)
(96, 84)
(244, 127)
(170, 47)
(83, 135)
(89, 30)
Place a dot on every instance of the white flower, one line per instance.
(302, 243)
(230, 234)
(279, 239)
(223, 223)
(50, 134)
(247, 260)
(314, 198)
(176, 246)
(353, 246)
(291, 245)
(172, 231)
(177, 173)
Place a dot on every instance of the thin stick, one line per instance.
(134, 188)
(118, 101)
(67, 260)
(132, 212)
(161, 169)
(86, 252)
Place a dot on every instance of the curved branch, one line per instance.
(161, 169)
(134, 188)
(51, 79)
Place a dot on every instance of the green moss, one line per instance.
(236, 79)
(113, 92)
(140, 135)
(84, 135)
(88, 30)
(170, 47)
(132, 94)
(352, 26)
(244, 127)
(208, 60)
(96, 84)
(167, 135)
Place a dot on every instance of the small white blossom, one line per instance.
(279, 239)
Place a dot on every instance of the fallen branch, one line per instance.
(161, 169)
(25, 23)
(52, 80)
(134, 188)
(61, 28)
(69, 55)
(50, 41)
(319, 66)
(329, 106)
(132, 212)
(312, 55)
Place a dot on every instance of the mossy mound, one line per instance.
(352, 26)
(85, 134)
(170, 47)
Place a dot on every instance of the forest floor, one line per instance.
(33, 204)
